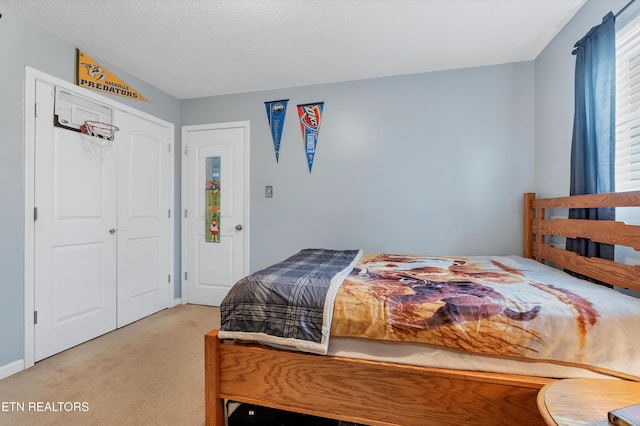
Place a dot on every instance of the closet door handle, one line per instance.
(112, 230)
(238, 227)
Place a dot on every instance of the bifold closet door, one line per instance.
(102, 249)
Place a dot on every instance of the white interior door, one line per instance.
(74, 251)
(144, 255)
(211, 268)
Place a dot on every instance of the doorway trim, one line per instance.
(246, 125)
(31, 76)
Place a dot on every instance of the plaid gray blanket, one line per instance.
(288, 304)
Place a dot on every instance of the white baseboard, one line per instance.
(175, 302)
(11, 369)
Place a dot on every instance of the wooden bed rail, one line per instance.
(365, 392)
(537, 227)
(214, 413)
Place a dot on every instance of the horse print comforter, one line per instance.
(500, 306)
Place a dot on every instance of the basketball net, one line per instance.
(100, 137)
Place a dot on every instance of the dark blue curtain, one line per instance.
(593, 144)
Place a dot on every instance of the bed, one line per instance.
(384, 392)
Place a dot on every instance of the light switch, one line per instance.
(268, 191)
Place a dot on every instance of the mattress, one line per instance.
(428, 356)
(486, 313)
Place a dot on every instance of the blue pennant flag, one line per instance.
(276, 111)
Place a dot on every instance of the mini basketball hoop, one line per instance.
(101, 133)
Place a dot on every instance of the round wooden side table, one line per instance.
(572, 402)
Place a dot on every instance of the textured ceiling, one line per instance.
(197, 48)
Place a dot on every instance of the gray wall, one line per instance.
(428, 163)
(22, 44)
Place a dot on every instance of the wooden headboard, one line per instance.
(537, 227)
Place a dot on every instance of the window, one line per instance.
(627, 168)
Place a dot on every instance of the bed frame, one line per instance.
(379, 393)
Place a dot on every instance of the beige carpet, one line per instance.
(150, 372)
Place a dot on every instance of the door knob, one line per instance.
(238, 227)
(112, 231)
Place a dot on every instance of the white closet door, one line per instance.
(144, 256)
(75, 252)
(102, 238)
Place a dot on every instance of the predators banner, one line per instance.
(92, 75)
